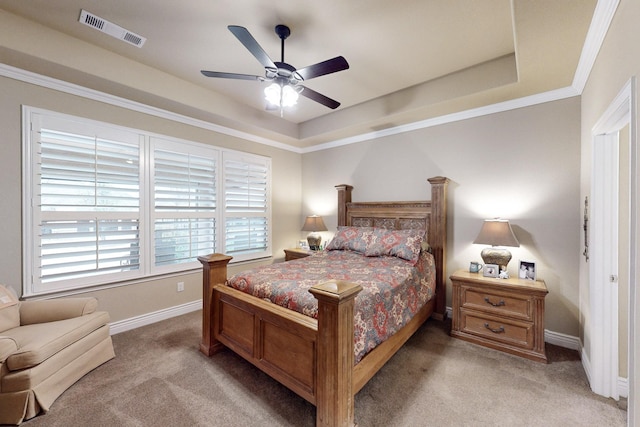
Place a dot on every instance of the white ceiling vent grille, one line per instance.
(110, 28)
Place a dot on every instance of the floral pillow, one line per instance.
(405, 244)
(351, 239)
(372, 242)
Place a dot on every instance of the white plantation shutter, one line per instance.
(104, 204)
(87, 195)
(88, 173)
(79, 248)
(247, 214)
(184, 204)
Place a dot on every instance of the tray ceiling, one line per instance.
(409, 61)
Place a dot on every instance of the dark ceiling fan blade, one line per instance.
(318, 97)
(231, 75)
(252, 45)
(321, 68)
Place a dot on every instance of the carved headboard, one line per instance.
(430, 215)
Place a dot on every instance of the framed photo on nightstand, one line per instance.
(527, 270)
(491, 270)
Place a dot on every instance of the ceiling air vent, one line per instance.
(110, 28)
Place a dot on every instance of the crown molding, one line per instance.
(527, 101)
(602, 17)
(81, 91)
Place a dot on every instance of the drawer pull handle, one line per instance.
(493, 303)
(500, 330)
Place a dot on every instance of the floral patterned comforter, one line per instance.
(394, 290)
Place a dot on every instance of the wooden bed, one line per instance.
(315, 358)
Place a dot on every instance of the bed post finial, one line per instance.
(438, 240)
(344, 197)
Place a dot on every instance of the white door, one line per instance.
(603, 265)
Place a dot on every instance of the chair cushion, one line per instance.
(9, 309)
(40, 341)
(29, 379)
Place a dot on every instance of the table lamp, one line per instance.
(314, 223)
(496, 232)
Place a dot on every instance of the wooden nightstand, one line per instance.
(295, 253)
(503, 314)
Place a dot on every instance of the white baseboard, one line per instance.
(586, 364)
(153, 317)
(449, 313)
(623, 387)
(562, 340)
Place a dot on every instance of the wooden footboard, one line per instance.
(280, 342)
(313, 358)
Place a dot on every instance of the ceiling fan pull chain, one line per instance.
(282, 87)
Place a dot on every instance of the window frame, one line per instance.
(32, 286)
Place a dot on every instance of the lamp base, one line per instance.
(495, 255)
(314, 241)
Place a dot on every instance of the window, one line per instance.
(246, 201)
(108, 204)
(184, 189)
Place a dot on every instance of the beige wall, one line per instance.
(617, 62)
(135, 299)
(522, 165)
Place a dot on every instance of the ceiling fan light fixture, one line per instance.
(289, 96)
(281, 96)
(272, 94)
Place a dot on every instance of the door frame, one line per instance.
(603, 302)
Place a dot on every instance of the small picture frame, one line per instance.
(527, 270)
(491, 270)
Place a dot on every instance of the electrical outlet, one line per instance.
(180, 286)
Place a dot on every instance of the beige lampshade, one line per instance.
(496, 232)
(314, 223)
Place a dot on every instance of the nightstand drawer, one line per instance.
(505, 305)
(508, 331)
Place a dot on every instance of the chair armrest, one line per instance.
(8, 346)
(55, 309)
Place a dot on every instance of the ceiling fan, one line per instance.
(284, 90)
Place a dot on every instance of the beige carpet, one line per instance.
(159, 378)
